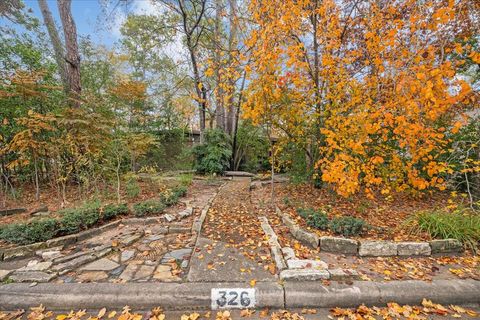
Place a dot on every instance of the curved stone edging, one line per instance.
(292, 269)
(370, 248)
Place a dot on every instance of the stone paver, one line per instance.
(127, 255)
(92, 276)
(304, 274)
(144, 272)
(129, 272)
(306, 264)
(4, 274)
(32, 276)
(103, 264)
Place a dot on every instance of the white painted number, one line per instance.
(233, 298)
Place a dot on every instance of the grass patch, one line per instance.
(440, 224)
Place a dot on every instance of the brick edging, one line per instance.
(370, 248)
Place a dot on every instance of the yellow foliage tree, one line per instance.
(367, 88)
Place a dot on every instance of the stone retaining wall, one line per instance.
(370, 248)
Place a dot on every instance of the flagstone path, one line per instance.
(158, 251)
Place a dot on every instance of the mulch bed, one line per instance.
(386, 217)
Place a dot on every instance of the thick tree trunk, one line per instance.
(56, 42)
(72, 56)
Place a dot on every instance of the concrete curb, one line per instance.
(315, 294)
(170, 296)
(196, 295)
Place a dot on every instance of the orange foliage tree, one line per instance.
(366, 88)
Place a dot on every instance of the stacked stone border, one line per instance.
(292, 269)
(30, 250)
(370, 248)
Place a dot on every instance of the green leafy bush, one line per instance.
(460, 224)
(347, 226)
(31, 232)
(180, 191)
(252, 148)
(113, 210)
(148, 207)
(75, 220)
(305, 212)
(318, 220)
(170, 197)
(213, 156)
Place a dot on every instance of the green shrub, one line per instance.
(252, 148)
(305, 213)
(318, 220)
(213, 156)
(180, 191)
(148, 207)
(170, 197)
(13, 233)
(132, 188)
(460, 225)
(185, 179)
(113, 210)
(75, 220)
(41, 230)
(347, 226)
(31, 232)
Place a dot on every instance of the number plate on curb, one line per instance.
(233, 298)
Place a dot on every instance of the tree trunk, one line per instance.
(72, 56)
(232, 46)
(37, 184)
(219, 94)
(235, 127)
(192, 35)
(117, 172)
(56, 42)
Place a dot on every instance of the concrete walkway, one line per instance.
(231, 246)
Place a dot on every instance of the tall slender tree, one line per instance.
(56, 41)
(72, 56)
